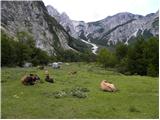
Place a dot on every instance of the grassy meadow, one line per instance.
(137, 96)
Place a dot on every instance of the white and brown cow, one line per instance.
(106, 86)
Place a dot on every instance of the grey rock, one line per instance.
(32, 17)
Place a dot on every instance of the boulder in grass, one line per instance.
(27, 64)
(55, 65)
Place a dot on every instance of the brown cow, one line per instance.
(29, 79)
(48, 78)
(106, 86)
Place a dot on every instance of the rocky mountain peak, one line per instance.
(53, 12)
(52, 9)
(64, 15)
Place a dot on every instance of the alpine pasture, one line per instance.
(137, 96)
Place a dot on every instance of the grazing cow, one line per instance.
(29, 80)
(106, 86)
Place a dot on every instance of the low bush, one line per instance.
(78, 92)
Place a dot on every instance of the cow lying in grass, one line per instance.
(106, 86)
(29, 79)
(48, 78)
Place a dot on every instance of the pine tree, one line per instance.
(106, 58)
(121, 51)
(136, 61)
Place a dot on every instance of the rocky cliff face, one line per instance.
(32, 18)
(131, 27)
(64, 20)
(120, 27)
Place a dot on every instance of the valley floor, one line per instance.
(137, 96)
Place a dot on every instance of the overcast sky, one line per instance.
(93, 10)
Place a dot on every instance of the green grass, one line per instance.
(137, 96)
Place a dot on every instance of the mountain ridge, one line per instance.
(112, 29)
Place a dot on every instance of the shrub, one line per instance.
(142, 57)
(122, 66)
(106, 58)
(78, 92)
(133, 109)
(151, 71)
(121, 50)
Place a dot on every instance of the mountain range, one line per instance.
(110, 30)
(54, 32)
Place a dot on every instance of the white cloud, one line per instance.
(92, 10)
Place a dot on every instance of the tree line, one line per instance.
(140, 57)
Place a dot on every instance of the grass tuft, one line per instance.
(133, 109)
